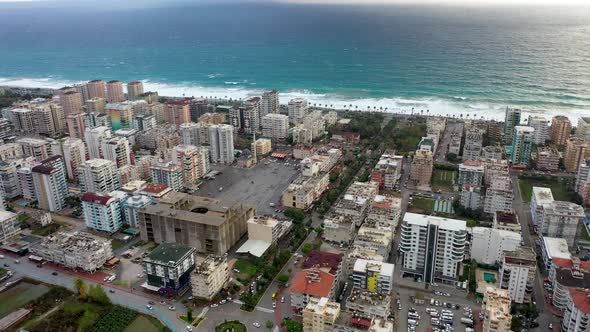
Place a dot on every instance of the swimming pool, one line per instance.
(489, 277)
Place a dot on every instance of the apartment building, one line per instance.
(576, 150)
(522, 145)
(96, 89)
(73, 151)
(566, 274)
(506, 221)
(134, 90)
(270, 103)
(471, 173)
(115, 91)
(193, 162)
(492, 152)
(10, 151)
(320, 315)
(511, 120)
(561, 129)
(222, 144)
(297, 109)
(275, 126)
(547, 159)
(499, 195)
(539, 198)
(577, 314)
(384, 213)
(99, 176)
(517, 274)
(208, 225)
(367, 305)
(305, 190)
(262, 147)
(338, 228)
(77, 124)
(95, 105)
(356, 201)
(432, 247)
(177, 112)
(168, 174)
(71, 103)
(48, 118)
(102, 213)
(23, 121)
(35, 147)
(168, 268)
(116, 149)
(388, 170)
(561, 219)
(9, 226)
(488, 244)
(160, 138)
(374, 276)
(26, 183)
(496, 310)
(471, 198)
(9, 182)
(209, 277)
(77, 250)
(421, 168)
(50, 184)
(309, 284)
(473, 143)
(144, 122)
(94, 138)
(195, 133)
(541, 127)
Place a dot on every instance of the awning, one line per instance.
(254, 247)
(150, 287)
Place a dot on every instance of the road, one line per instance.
(452, 128)
(523, 212)
(136, 301)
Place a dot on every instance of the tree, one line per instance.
(189, 315)
(306, 248)
(319, 230)
(80, 287)
(283, 278)
(295, 214)
(97, 294)
(269, 324)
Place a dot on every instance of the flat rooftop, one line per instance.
(169, 252)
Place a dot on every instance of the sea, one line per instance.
(469, 62)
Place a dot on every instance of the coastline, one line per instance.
(454, 106)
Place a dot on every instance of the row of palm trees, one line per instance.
(351, 107)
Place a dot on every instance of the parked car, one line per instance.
(111, 291)
(256, 324)
(54, 273)
(171, 308)
(149, 307)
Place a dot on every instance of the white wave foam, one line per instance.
(436, 106)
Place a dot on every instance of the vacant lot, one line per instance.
(259, 186)
(421, 205)
(246, 268)
(19, 295)
(443, 180)
(143, 324)
(559, 188)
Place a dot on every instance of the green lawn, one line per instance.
(19, 295)
(46, 230)
(143, 324)
(443, 180)
(247, 269)
(234, 326)
(583, 234)
(90, 313)
(116, 243)
(558, 186)
(421, 205)
(3, 272)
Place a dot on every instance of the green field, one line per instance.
(19, 295)
(421, 205)
(247, 269)
(443, 180)
(558, 186)
(143, 324)
(46, 230)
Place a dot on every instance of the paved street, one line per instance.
(123, 297)
(453, 128)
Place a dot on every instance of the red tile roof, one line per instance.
(581, 299)
(568, 263)
(322, 259)
(155, 188)
(320, 288)
(469, 162)
(96, 198)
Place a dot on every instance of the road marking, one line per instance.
(203, 312)
(270, 311)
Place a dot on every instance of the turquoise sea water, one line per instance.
(449, 60)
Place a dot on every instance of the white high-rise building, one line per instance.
(541, 126)
(99, 176)
(35, 147)
(275, 126)
(511, 120)
(517, 273)
(488, 244)
(496, 310)
(522, 144)
(73, 151)
(583, 128)
(22, 119)
(48, 118)
(9, 182)
(116, 149)
(270, 102)
(26, 183)
(577, 313)
(222, 143)
(50, 184)
(297, 109)
(9, 226)
(189, 133)
(130, 207)
(94, 138)
(561, 220)
(432, 247)
(102, 212)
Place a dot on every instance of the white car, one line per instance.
(214, 305)
(256, 324)
(282, 299)
(274, 305)
(171, 308)
(189, 328)
(149, 307)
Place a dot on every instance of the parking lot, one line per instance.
(260, 185)
(441, 305)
